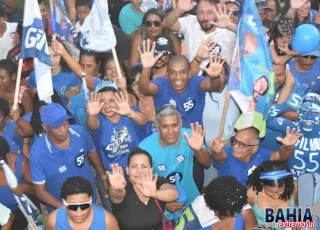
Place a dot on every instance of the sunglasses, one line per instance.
(151, 23)
(234, 142)
(311, 56)
(74, 206)
(235, 13)
(164, 52)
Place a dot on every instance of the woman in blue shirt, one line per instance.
(114, 126)
(306, 15)
(227, 197)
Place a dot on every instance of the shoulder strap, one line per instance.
(159, 206)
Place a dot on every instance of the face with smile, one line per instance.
(260, 88)
(178, 75)
(169, 129)
(205, 15)
(309, 115)
(138, 163)
(304, 11)
(107, 98)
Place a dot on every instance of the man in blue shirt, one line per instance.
(245, 154)
(62, 153)
(306, 71)
(179, 88)
(173, 150)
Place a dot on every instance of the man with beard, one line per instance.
(195, 29)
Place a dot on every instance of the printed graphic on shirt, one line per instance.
(180, 158)
(80, 159)
(62, 169)
(251, 169)
(172, 177)
(162, 168)
(189, 105)
(118, 145)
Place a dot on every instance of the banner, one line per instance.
(97, 32)
(251, 81)
(34, 45)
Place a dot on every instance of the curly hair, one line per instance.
(75, 185)
(4, 149)
(225, 195)
(271, 166)
(35, 121)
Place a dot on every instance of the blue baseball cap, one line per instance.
(315, 52)
(53, 115)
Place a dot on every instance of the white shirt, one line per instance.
(194, 35)
(6, 41)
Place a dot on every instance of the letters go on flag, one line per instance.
(97, 32)
(34, 45)
(251, 81)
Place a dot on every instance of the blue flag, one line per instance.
(34, 45)
(251, 81)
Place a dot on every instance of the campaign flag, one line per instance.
(63, 28)
(148, 4)
(34, 45)
(251, 81)
(29, 210)
(97, 32)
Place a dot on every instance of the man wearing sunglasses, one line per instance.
(306, 71)
(77, 211)
(245, 155)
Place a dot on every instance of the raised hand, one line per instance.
(116, 177)
(218, 145)
(286, 50)
(121, 83)
(147, 57)
(148, 187)
(296, 4)
(215, 66)
(186, 5)
(15, 113)
(223, 19)
(195, 141)
(291, 138)
(204, 49)
(122, 102)
(94, 105)
(57, 47)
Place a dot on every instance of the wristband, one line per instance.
(195, 58)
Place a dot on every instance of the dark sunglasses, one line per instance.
(234, 141)
(151, 23)
(235, 13)
(164, 52)
(74, 206)
(311, 56)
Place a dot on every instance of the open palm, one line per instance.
(196, 139)
(148, 187)
(94, 105)
(123, 104)
(223, 19)
(116, 178)
(147, 57)
(296, 4)
(186, 5)
(215, 66)
(291, 138)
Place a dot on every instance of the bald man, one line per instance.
(245, 155)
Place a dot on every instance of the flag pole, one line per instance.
(174, 4)
(116, 61)
(18, 80)
(224, 114)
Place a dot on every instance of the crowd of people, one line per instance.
(143, 150)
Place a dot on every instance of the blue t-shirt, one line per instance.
(7, 197)
(190, 103)
(78, 105)
(52, 165)
(114, 141)
(310, 20)
(61, 82)
(129, 19)
(307, 80)
(232, 166)
(238, 224)
(98, 221)
(172, 159)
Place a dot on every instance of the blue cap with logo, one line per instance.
(53, 115)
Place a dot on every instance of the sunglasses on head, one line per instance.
(235, 13)
(164, 52)
(151, 23)
(311, 56)
(74, 206)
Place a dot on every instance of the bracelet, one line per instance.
(195, 58)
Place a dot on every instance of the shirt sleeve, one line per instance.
(228, 151)
(90, 145)
(161, 180)
(195, 82)
(37, 174)
(184, 24)
(32, 80)
(161, 82)
(96, 81)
